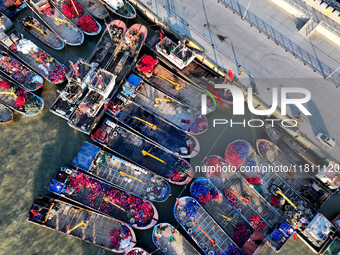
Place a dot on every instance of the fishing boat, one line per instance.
(78, 16)
(57, 22)
(6, 115)
(148, 125)
(142, 152)
(123, 174)
(79, 76)
(95, 8)
(194, 72)
(202, 228)
(249, 235)
(5, 23)
(172, 85)
(319, 234)
(11, 7)
(137, 251)
(92, 227)
(90, 109)
(104, 198)
(303, 183)
(34, 57)
(164, 106)
(107, 44)
(127, 51)
(20, 73)
(42, 33)
(19, 99)
(170, 241)
(121, 7)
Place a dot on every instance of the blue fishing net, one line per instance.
(191, 209)
(242, 149)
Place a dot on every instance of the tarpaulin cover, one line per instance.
(276, 235)
(85, 156)
(134, 80)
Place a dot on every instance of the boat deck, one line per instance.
(102, 197)
(84, 123)
(205, 222)
(121, 173)
(95, 8)
(170, 241)
(130, 146)
(173, 111)
(7, 99)
(256, 205)
(6, 114)
(164, 134)
(97, 229)
(62, 108)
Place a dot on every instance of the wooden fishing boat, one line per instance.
(5, 23)
(239, 229)
(136, 251)
(303, 183)
(57, 22)
(202, 228)
(6, 115)
(79, 77)
(127, 51)
(78, 16)
(123, 174)
(92, 227)
(104, 198)
(90, 108)
(106, 46)
(148, 125)
(34, 57)
(170, 241)
(319, 234)
(42, 33)
(164, 106)
(11, 7)
(121, 7)
(95, 8)
(19, 99)
(172, 85)
(20, 73)
(142, 152)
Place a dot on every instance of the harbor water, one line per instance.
(32, 149)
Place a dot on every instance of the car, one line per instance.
(325, 140)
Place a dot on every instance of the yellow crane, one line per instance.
(80, 224)
(145, 153)
(125, 174)
(157, 100)
(60, 21)
(279, 192)
(154, 127)
(226, 217)
(9, 93)
(37, 28)
(106, 199)
(177, 86)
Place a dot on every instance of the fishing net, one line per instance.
(203, 193)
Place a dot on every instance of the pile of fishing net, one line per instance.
(22, 97)
(18, 72)
(199, 125)
(203, 193)
(236, 153)
(180, 171)
(230, 197)
(4, 84)
(42, 56)
(57, 74)
(87, 24)
(118, 236)
(147, 64)
(241, 234)
(135, 252)
(274, 200)
(48, 11)
(263, 146)
(213, 165)
(191, 209)
(253, 180)
(256, 222)
(70, 11)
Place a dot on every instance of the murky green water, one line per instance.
(32, 149)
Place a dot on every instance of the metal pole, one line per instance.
(332, 73)
(245, 13)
